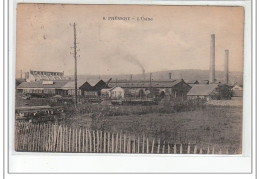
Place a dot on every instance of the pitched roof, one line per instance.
(145, 84)
(39, 84)
(71, 84)
(202, 89)
(48, 77)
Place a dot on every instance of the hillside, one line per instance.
(189, 74)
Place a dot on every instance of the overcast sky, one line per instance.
(178, 37)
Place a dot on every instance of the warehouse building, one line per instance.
(49, 88)
(203, 91)
(176, 88)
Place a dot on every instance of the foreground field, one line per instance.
(213, 125)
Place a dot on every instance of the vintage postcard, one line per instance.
(144, 79)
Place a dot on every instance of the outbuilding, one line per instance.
(203, 91)
(114, 93)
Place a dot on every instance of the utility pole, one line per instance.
(151, 84)
(75, 57)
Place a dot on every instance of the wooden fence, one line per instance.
(57, 138)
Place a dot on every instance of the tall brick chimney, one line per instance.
(226, 66)
(212, 60)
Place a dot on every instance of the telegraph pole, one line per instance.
(75, 57)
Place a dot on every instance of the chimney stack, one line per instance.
(226, 66)
(131, 77)
(170, 76)
(212, 60)
(143, 74)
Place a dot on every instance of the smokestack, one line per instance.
(143, 74)
(212, 60)
(170, 76)
(131, 77)
(226, 66)
(21, 74)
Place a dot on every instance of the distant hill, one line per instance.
(189, 74)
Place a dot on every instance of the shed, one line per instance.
(203, 91)
(237, 91)
(115, 92)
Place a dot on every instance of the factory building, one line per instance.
(32, 76)
(49, 88)
(176, 88)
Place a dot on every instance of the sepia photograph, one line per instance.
(132, 79)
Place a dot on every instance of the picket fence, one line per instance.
(58, 138)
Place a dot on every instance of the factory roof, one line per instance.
(202, 89)
(145, 84)
(71, 84)
(41, 84)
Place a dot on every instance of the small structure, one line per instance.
(237, 91)
(203, 91)
(113, 93)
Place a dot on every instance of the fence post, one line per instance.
(76, 140)
(79, 145)
(87, 145)
(83, 140)
(108, 142)
(120, 143)
(97, 141)
(147, 146)
(60, 129)
(213, 150)
(201, 150)
(116, 142)
(195, 149)
(158, 149)
(175, 149)
(143, 145)
(163, 147)
(168, 148)
(90, 141)
(138, 144)
(152, 146)
(101, 133)
(104, 142)
(113, 143)
(208, 150)
(220, 152)
(133, 149)
(69, 139)
(124, 143)
(129, 145)
(188, 150)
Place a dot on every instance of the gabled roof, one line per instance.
(71, 84)
(202, 89)
(39, 84)
(146, 84)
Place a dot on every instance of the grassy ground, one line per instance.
(213, 125)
